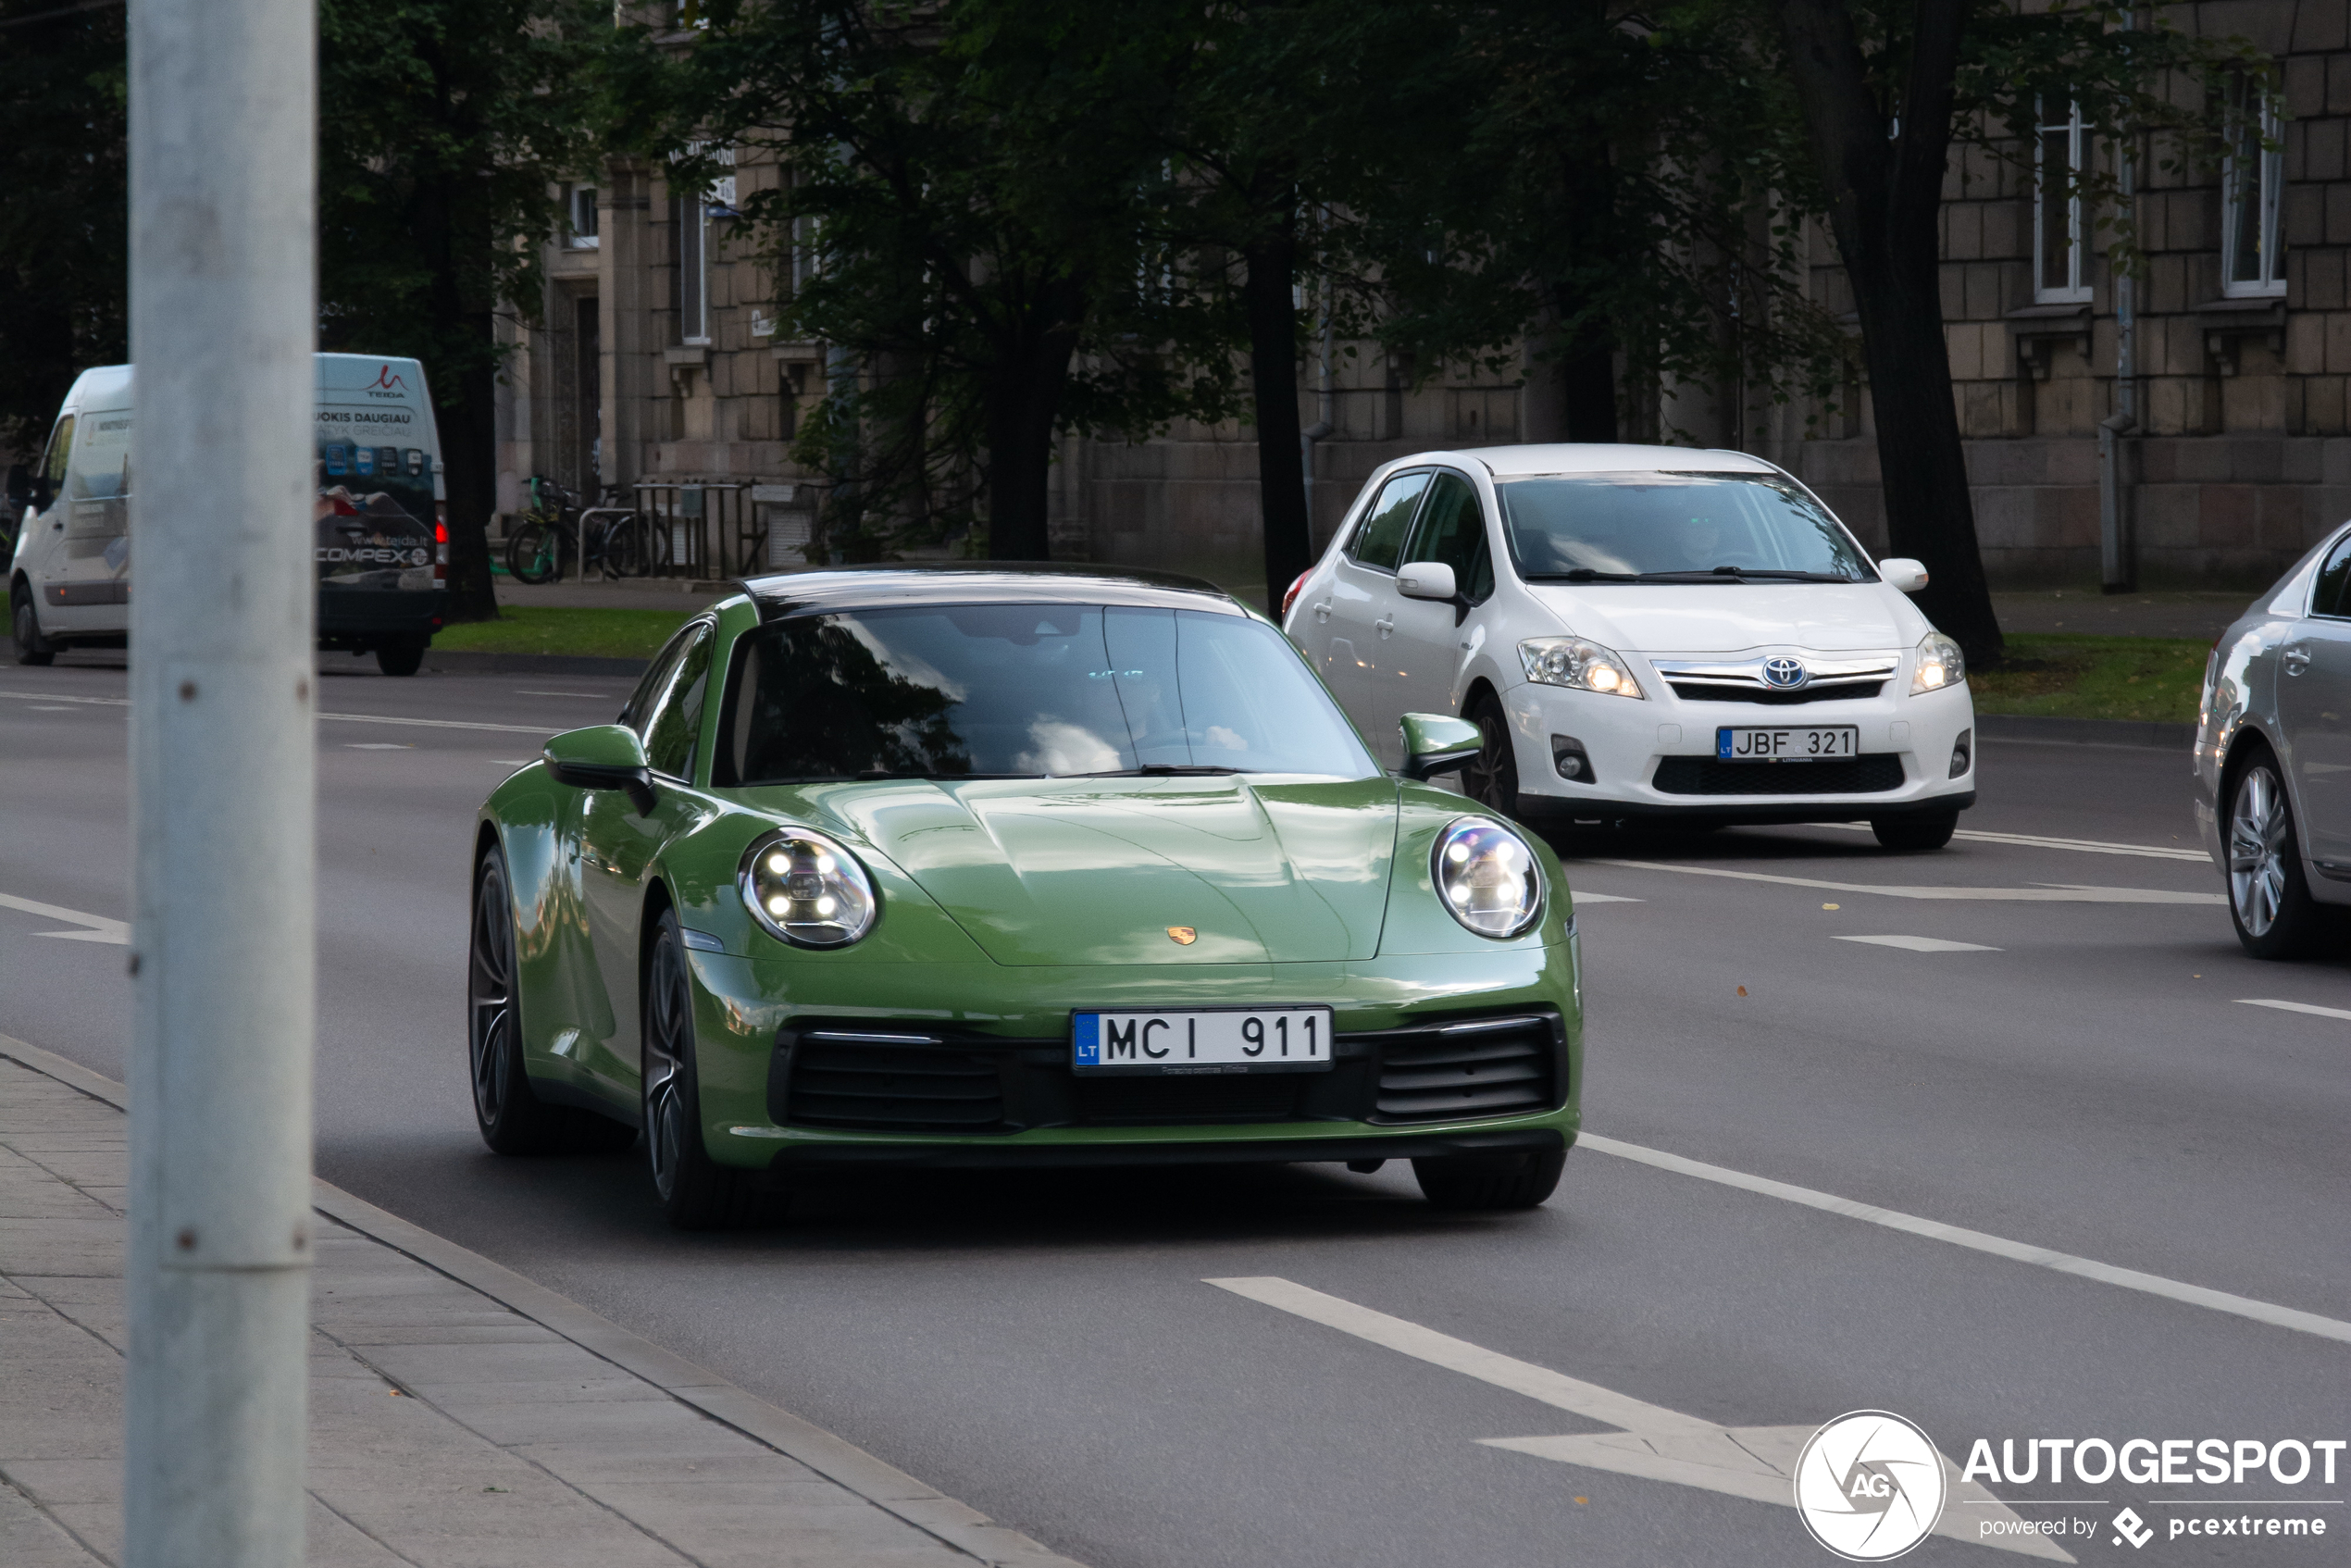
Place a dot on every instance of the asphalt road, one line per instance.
(2084, 1076)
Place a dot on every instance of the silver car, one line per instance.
(2273, 756)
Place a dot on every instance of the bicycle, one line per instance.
(617, 540)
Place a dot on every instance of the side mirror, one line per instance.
(1435, 743)
(19, 487)
(602, 756)
(1903, 573)
(1427, 579)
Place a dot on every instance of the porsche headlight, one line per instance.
(1571, 661)
(808, 889)
(1488, 877)
(1940, 664)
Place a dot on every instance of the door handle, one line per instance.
(1383, 624)
(1323, 610)
(2297, 660)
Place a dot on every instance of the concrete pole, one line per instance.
(223, 118)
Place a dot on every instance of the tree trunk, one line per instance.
(469, 453)
(1024, 411)
(1272, 265)
(1884, 184)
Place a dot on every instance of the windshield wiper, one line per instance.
(1582, 574)
(1162, 770)
(1739, 574)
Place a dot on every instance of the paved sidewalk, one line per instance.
(460, 1414)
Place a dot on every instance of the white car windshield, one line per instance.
(1674, 528)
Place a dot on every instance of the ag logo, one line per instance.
(1870, 1486)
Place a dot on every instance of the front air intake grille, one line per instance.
(1481, 1067)
(845, 1082)
(1194, 1099)
(1844, 776)
(1825, 691)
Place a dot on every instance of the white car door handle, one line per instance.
(1383, 624)
(1323, 611)
(2297, 660)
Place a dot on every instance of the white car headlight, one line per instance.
(1571, 661)
(807, 889)
(1488, 877)
(1940, 664)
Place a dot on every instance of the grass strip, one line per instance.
(2060, 675)
(578, 633)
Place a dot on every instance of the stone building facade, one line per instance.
(656, 364)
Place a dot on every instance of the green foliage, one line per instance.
(64, 223)
(532, 628)
(2088, 677)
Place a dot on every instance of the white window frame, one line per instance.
(2076, 289)
(2261, 179)
(693, 269)
(579, 201)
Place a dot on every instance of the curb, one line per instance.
(2086, 731)
(454, 663)
(954, 1524)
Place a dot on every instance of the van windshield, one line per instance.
(1674, 528)
(1024, 692)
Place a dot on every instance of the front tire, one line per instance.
(1489, 1182)
(1491, 778)
(2269, 901)
(403, 657)
(512, 1119)
(24, 631)
(695, 1191)
(1915, 834)
(535, 553)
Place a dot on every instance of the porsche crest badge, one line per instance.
(1182, 936)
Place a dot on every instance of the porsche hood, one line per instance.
(1118, 870)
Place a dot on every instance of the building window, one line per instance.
(2252, 189)
(2060, 158)
(690, 223)
(580, 218)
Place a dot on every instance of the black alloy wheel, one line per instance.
(24, 631)
(1489, 1182)
(512, 1119)
(1491, 778)
(2269, 901)
(1917, 832)
(695, 1191)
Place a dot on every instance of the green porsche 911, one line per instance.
(982, 866)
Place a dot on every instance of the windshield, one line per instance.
(1024, 692)
(1651, 526)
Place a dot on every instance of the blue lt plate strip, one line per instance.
(1090, 1039)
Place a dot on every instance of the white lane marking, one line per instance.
(377, 746)
(346, 718)
(1602, 898)
(598, 696)
(99, 929)
(1922, 944)
(54, 708)
(1976, 1240)
(2041, 842)
(2018, 895)
(1756, 1463)
(513, 762)
(2292, 1007)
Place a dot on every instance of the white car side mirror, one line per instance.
(1903, 573)
(1434, 579)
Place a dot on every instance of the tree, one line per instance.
(968, 206)
(1885, 89)
(445, 127)
(64, 222)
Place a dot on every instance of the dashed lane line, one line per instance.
(97, 928)
(2041, 842)
(343, 718)
(2044, 894)
(2294, 1007)
(1922, 944)
(1998, 1246)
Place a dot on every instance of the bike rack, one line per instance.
(714, 533)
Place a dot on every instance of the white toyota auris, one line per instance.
(1643, 632)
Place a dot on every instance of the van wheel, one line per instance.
(403, 657)
(1915, 834)
(24, 630)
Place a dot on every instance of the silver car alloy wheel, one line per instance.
(2257, 826)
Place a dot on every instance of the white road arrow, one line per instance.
(97, 928)
(1756, 1462)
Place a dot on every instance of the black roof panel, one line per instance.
(979, 582)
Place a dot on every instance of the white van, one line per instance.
(381, 542)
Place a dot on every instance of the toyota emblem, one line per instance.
(1784, 673)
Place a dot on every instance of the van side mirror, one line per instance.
(19, 487)
(602, 756)
(1905, 573)
(1435, 743)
